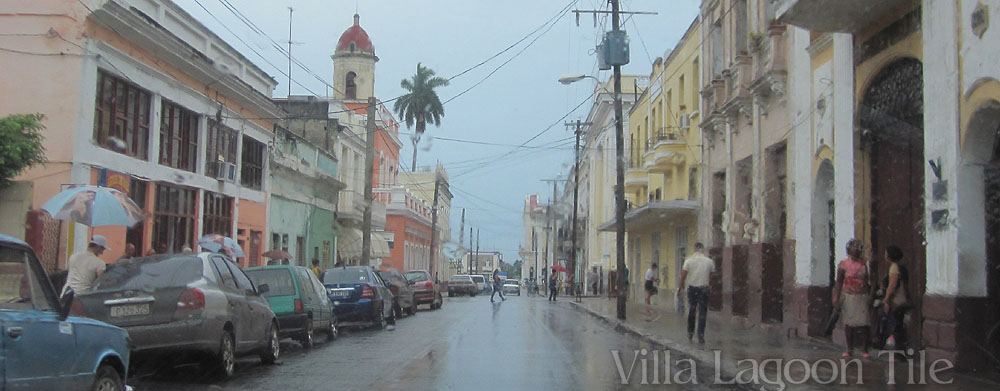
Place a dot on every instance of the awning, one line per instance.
(350, 243)
(656, 212)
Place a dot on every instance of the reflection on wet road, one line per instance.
(469, 344)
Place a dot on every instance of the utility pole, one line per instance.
(470, 250)
(551, 225)
(619, 175)
(477, 250)
(434, 221)
(366, 224)
(289, 53)
(576, 198)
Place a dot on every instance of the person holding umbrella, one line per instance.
(553, 286)
(86, 267)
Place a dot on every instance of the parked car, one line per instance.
(481, 284)
(359, 296)
(462, 284)
(511, 286)
(425, 291)
(176, 304)
(299, 301)
(44, 348)
(402, 292)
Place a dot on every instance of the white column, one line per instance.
(941, 128)
(843, 141)
(800, 150)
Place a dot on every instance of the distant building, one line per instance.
(421, 185)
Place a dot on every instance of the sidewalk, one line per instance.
(728, 345)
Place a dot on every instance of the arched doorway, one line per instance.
(980, 235)
(824, 242)
(892, 138)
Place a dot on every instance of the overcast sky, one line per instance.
(517, 102)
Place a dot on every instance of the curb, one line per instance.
(660, 343)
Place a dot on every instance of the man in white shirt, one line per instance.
(650, 285)
(85, 266)
(696, 272)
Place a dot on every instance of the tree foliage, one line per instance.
(20, 145)
(421, 105)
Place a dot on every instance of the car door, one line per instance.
(239, 310)
(259, 312)
(384, 293)
(326, 307)
(38, 347)
(308, 294)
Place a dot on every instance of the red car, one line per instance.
(425, 291)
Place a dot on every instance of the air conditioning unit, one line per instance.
(685, 121)
(225, 171)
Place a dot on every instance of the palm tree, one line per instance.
(421, 104)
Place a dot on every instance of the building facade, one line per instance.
(408, 224)
(421, 184)
(141, 97)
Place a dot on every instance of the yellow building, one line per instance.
(663, 154)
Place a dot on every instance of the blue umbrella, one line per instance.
(94, 206)
(216, 242)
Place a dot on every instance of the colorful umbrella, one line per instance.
(558, 268)
(94, 206)
(216, 242)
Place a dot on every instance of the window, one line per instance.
(242, 281)
(275, 241)
(121, 118)
(740, 35)
(352, 88)
(228, 281)
(21, 276)
(134, 235)
(178, 137)
(680, 93)
(252, 169)
(218, 214)
(221, 147)
(173, 218)
(716, 49)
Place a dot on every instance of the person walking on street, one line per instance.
(316, 270)
(497, 285)
(553, 286)
(896, 301)
(650, 286)
(86, 267)
(695, 273)
(851, 295)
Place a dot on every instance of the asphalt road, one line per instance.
(469, 344)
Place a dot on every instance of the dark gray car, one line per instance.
(177, 303)
(402, 292)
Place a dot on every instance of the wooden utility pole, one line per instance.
(576, 199)
(477, 250)
(619, 175)
(366, 224)
(470, 250)
(434, 221)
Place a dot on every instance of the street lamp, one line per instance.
(573, 78)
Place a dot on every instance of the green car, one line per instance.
(299, 301)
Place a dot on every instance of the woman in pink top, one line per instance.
(851, 295)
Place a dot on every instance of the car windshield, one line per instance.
(345, 276)
(416, 276)
(460, 278)
(478, 279)
(279, 281)
(151, 273)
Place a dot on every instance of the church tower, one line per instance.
(354, 64)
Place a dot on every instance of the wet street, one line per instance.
(469, 344)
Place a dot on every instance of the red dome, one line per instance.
(357, 35)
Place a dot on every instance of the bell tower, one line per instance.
(354, 64)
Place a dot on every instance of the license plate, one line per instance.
(129, 310)
(340, 293)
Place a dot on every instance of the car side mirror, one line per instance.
(66, 303)
(262, 289)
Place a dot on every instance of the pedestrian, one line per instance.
(86, 267)
(553, 286)
(129, 253)
(593, 281)
(851, 295)
(695, 273)
(497, 285)
(896, 301)
(650, 285)
(316, 270)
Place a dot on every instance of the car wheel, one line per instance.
(273, 348)
(392, 318)
(440, 302)
(331, 333)
(397, 312)
(379, 319)
(225, 359)
(107, 379)
(306, 339)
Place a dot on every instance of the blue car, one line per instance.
(359, 296)
(43, 347)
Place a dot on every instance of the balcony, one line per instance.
(351, 206)
(770, 64)
(737, 86)
(845, 16)
(635, 174)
